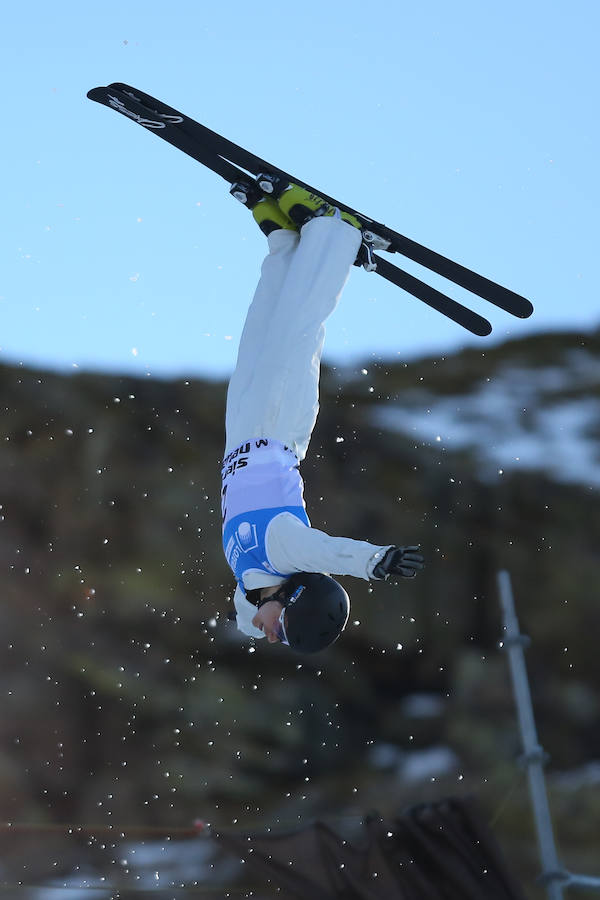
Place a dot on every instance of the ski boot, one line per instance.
(298, 203)
(267, 214)
(269, 217)
(301, 205)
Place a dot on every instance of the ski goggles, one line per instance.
(280, 629)
(286, 601)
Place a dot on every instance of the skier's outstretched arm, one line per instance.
(294, 547)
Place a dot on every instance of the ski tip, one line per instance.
(94, 93)
(507, 300)
(101, 91)
(525, 308)
(481, 328)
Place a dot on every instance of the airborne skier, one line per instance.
(279, 561)
(283, 566)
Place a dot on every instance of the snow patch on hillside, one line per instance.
(544, 418)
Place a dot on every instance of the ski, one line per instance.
(236, 164)
(494, 293)
(206, 154)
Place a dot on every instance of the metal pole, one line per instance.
(553, 874)
(583, 881)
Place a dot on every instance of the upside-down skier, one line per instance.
(279, 561)
(282, 566)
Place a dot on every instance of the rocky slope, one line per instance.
(128, 698)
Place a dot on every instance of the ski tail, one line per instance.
(460, 314)
(477, 284)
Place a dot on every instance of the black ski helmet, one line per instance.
(317, 609)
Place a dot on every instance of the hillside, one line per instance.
(130, 699)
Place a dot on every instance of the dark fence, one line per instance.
(434, 851)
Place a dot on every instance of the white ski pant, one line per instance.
(274, 390)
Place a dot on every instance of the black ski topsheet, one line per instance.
(234, 163)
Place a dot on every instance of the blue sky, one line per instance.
(469, 126)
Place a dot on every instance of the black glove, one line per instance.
(404, 561)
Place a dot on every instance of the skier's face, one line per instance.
(267, 619)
